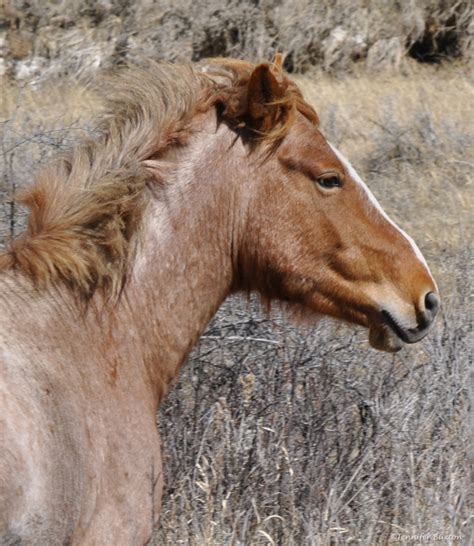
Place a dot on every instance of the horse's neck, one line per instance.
(184, 266)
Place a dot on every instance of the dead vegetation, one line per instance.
(284, 435)
(49, 39)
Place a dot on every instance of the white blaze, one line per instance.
(371, 197)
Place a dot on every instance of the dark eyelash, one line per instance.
(329, 181)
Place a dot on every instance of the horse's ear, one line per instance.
(277, 62)
(264, 99)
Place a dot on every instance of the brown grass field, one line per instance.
(279, 434)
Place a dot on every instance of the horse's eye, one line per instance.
(329, 181)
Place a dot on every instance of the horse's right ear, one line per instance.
(264, 99)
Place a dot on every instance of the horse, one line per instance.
(202, 181)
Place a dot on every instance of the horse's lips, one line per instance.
(383, 338)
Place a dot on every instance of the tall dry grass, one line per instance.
(305, 436)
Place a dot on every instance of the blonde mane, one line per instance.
(86, 206)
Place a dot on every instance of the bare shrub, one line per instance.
(307, 438)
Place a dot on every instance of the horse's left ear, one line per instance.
(264, 99)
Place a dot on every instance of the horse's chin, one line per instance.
(383, 338)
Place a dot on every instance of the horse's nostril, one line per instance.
(432, 303)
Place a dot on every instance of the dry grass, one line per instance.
(277, 435)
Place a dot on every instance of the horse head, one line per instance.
(314, 234)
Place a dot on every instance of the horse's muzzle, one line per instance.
(425, 316)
